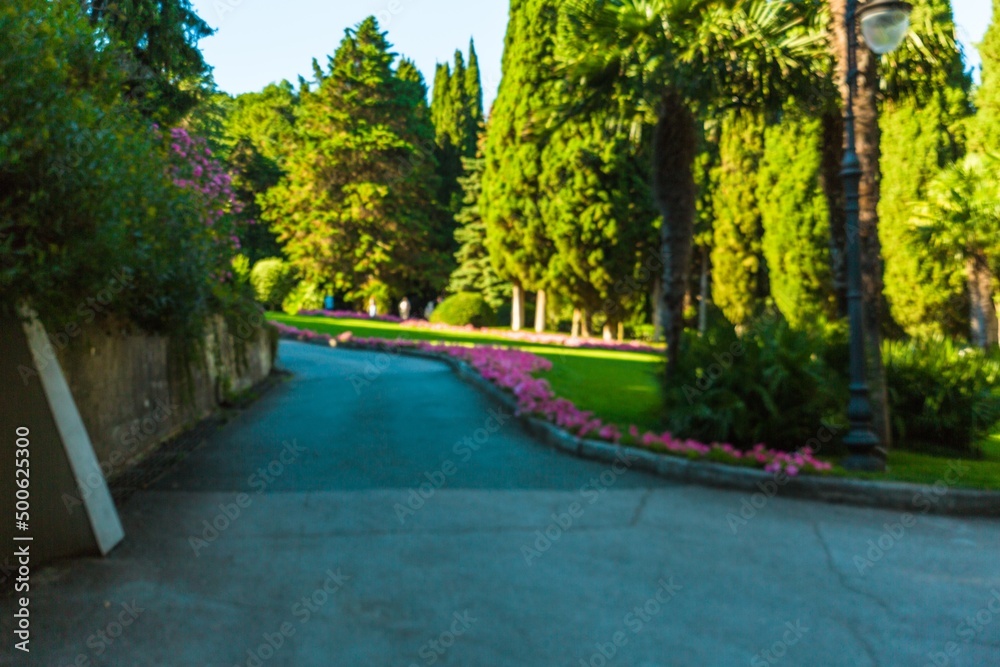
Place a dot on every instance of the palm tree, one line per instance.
(674, 64)
(962, 215)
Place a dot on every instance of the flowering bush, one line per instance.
(514, 371)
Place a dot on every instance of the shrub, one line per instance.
(464, 308)
(305, 296)
(941, 395)
(273, 279)
(770, 385)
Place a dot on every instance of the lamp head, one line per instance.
(884, 24)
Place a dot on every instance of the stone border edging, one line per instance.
(903, 496)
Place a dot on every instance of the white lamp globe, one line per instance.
(884, 24)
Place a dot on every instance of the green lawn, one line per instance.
(623, 388)
(620, 387)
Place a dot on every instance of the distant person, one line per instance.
(428, 310)
(404, 308)
(328, 303)
(372, 307)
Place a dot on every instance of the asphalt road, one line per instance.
(376, 510)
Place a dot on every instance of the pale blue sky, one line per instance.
(261, 41)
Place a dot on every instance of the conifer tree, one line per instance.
(739, 281)
(475, 272)
(357, 208)
(456, 111)
(599, 215)
(986, 127)
(796, 221)
(516, 232)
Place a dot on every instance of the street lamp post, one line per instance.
(884, 24)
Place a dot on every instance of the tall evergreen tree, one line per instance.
(456, 111)
(516, 232)
(475, 272)
(986, 128)
(599, 215)
(357, 208)
(165, 68)
(739, 274)
(922, 131)
(796, 221)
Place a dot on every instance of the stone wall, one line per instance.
(135, 391)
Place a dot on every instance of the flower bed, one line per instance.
(514, 371)
(518, 336)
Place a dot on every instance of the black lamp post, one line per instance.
(884, 24)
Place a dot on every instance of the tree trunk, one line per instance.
(658, 309)
(621, 332)
(866, 126)
(674, 148)
(585, 324)
(540, 306)
(983, 314)
(705, 287)
(608, 332)
(577, 323)
(517, 309)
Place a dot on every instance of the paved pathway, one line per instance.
(329, 558)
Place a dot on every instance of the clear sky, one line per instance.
(261, 41)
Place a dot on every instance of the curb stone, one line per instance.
(903, 496)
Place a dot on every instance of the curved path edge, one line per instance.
(940, 498)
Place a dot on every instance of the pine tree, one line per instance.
(796, 220)
(475, 272)
(357, 208)
(516, 232)
(921, 133)
(739, 281)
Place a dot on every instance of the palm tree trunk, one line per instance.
(674, 148)
(983, 313)
(868, 137)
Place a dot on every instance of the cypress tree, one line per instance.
(598, 211)
(986, 128)
(739, 281)
(457, 112)
(796, 221)
(921, 133)
(516, 232)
